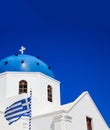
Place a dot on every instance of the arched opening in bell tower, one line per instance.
(49, 93)
(23, 86)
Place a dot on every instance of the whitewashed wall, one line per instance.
(73, 118)
(67, 118)
(47, 115)
(38, 82)
(86, 107)
(3, 82)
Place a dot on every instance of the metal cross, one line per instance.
(22, 49)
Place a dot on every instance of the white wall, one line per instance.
(86, 107)
(38, 82)
(73, 118)
(3, 79)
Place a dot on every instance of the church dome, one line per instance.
(24, 63)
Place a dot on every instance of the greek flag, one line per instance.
(17, 110)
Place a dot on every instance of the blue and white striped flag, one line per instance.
(17, 110)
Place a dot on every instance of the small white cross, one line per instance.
(26, 104)
(22, 49)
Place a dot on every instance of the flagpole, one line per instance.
(30, 114)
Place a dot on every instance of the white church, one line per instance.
(19, 73)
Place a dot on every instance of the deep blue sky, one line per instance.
(73, 37)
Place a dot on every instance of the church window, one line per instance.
(22, 86)
(6, 62)
(38, 57)
(89, 123)
(37, 63)
(49, 91)
(22, 61)
(49, 67)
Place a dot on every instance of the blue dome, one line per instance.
(24, 63)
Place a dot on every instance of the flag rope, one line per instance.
(30, 115)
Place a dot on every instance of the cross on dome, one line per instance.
(22, 49)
